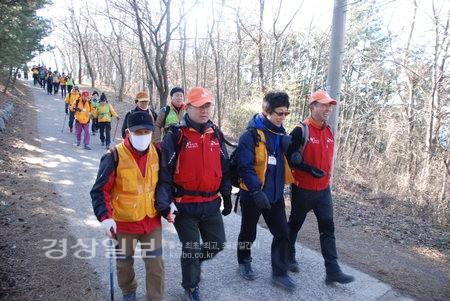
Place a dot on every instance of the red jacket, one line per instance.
(319, 153)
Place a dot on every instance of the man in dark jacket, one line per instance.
(264, 171)
(194, 169)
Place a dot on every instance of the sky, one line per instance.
(397, 14)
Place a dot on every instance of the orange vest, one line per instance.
(133, 196)
(261, 160)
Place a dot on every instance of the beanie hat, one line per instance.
(322, 97)
(103, 97)
(140, 120)
(95, 92)
(176, 90)
(198, 96)
(76, 88)
(142, 96)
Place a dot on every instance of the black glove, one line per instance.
(78, 109)
(314, 171)
(261, 200)
(227, 205)
(296, 159)
(164, 213)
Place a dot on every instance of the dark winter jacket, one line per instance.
(275, 143)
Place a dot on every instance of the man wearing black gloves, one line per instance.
(263, 171)
(194, 169)
(312, 165)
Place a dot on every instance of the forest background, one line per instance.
(393, 137)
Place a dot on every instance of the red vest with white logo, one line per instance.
(319, 153)
(199, 166)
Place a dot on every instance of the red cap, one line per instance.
(322, 97)
(85, 93)
(198, 96)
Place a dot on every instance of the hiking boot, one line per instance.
(245, 269)
(284, 281)
(129, 297)
(339, 277)
(107, 146)
(293, 266)
(192, 294)
(71, 130)
(87, 147)
(78, 142)
(103, 143)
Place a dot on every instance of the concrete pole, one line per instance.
(334, 78)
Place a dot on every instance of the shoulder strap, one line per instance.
(115, 156)
(305, 137)
(166, 112)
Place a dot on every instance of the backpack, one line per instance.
(166, 112)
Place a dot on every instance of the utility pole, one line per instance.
(334, 78)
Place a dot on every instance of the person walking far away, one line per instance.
(71, 98)
(70, 82)
(83, 114)
(123, 198)
(311, 189)
(63, 85)
(170, 114)
(194, 169)
(94, 104)
(264, 170)
(103, 112)
(142, 101)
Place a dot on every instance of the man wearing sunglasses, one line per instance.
(263, 171)
(311, 189)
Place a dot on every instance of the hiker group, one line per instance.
(175, 165)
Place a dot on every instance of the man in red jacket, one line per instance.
(311, 189)
(194, 169)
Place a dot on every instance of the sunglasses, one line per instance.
(279, 114)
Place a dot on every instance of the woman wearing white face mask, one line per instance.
(123, 199)
(142, 101)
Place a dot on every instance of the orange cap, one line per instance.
(142, 96)
(322, 97)
(198, 96)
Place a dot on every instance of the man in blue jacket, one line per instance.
(264, 171)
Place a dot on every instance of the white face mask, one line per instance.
(140, 142)
(142, 107)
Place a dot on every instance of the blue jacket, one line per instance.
(275, 139)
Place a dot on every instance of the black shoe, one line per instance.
(87, 147)
(293, 266)
(78, 142)
(339, 277)
(103, 143)
(192, 294)
(285, 282)
(245, 269)
(107, 146)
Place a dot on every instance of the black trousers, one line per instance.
(202, 238)
(320, 202)
(276, 221)
(105, 132)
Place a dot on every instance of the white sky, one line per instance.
(398, 13)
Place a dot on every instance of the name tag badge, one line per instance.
(272, 160)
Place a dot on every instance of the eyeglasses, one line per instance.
(279, 114)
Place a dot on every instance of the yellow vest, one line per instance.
(133, 196)
(261, 160)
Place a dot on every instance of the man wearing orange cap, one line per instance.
(311, 189)
(142, 101)
(194, 169)
(83, 114)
